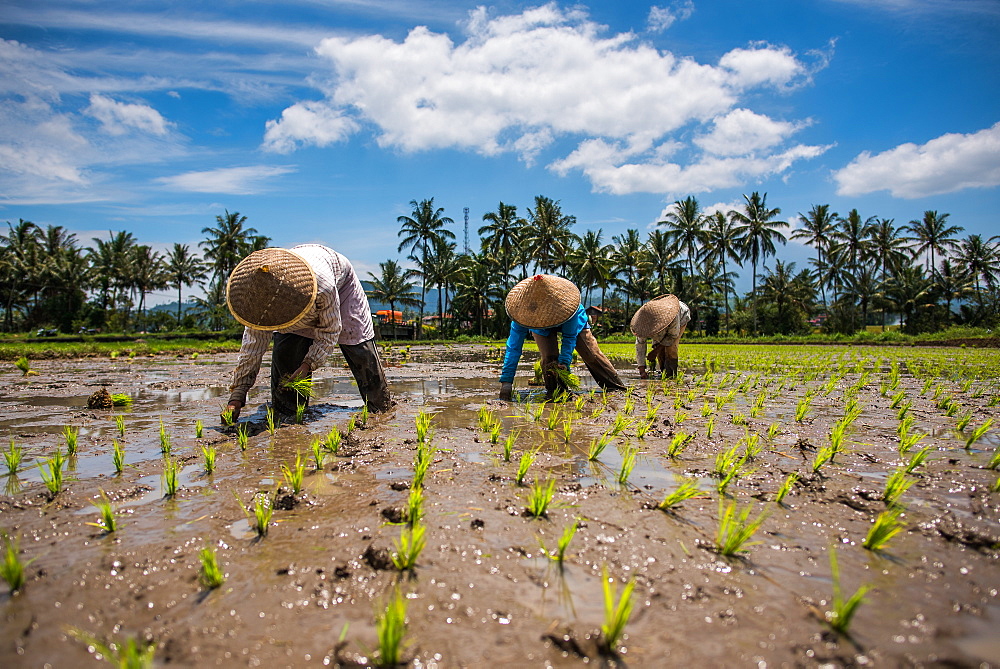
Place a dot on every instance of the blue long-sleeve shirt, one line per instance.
(515, 342)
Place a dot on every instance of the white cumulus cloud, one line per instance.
(949, 163)
(119, 118)
(530, 82)
(229, 180)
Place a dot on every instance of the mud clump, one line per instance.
(100, 400)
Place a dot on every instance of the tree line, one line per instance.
(864, 271)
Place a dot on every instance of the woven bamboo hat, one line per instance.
(543, 301)
(271, 289)
(655, 316)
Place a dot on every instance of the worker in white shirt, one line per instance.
(661, 321)
(306, 299)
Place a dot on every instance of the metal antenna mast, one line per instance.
(466, 231)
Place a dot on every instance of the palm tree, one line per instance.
(659, 257)
(20, 247)
(228, 242)
(392, 287)
(685, 228)
(183, 269)
(438, 269)
(791, 294)
(910, 291)
(110, 261)
(419, 230)
(502, 235)
(148, 274)
(887, 247)
(851, 235)
(954, 283)
(817, 230)
(626, 257)
(981, 260)
(590, 263)
(757, 232)
(723, 243)
(933, 234)
(548, 238)
(475, 289)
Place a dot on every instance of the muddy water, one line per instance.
(485, 592)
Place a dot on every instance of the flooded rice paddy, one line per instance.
(853, 438)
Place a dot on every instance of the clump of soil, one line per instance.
(100, 400)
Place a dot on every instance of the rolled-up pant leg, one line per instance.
(365, 364)
(673, 353)
(289, 352)
(548, 349)
(600, 367)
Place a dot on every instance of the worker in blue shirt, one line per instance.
(549, 308)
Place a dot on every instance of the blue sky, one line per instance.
(322, 119)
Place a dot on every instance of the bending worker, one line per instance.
(549, 308)
(306, 299)
(662, 320)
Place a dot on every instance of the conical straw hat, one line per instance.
(655, 316)
(543, 301)
(271, 289)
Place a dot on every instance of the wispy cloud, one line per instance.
(246, 180)
(524, 83)
(947, 164)
(661, 18)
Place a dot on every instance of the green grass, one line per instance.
(270, 421)
(70, 437)
(897, 484)
(678, 443)
(295, 474)
(508, 445)
(562, 544)
(597, 446)
(242, 436)
(169, 477)
(319, 453)
(164, 439)
(12, 569)
(13, 457)
(410, 545)
(333, 439)
(117, 457)
(616, 615)
(107, 520)
(977, 433)
(539, 498)
(52, 473)
(209, 453)
(210, 574)
(786, 487)
(687, 488)
(527, 458)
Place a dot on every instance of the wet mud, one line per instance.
(485, 591)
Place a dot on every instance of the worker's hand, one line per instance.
(235, 406)
(642, 372)
(301, 372)
(506, 390)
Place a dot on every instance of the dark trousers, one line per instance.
(363, 359)
(586, 345)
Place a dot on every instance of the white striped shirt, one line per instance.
(340, 315)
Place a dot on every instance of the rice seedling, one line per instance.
(527, 458)
(597, 446)
(199, 429)
(242, 436)
(897, 400)
(729, 467)
(579, 402)
(680, 417)
(70, 436)
(927, 385)
(262, 512)
(107, 521)
(996, 485)
(350, 426)
(619, 425)
(710, 426)
(736, 528)
(678, 443)
(739, 418)
(53, 479)
(24, 365)
(363, 415)
(552, 420)
(994, 461)
(13, 457)
(917, 459)
(508, 445)
(318, 452)
(786, 487)
(121, 400)
(226, 415)
(642, 428)
(210, 574)
(963, 421)
(209, 453)
(12, 569)
(993, 401)
(951, 407)
(652, 411)
(390, 628)
(977, 433)
(300, 416)
(839, 618)
(615, 615)
(885, 526)
(270, 421)
(897, 484)
(332, 441)
(295, 474)
(706, 410)
(408, 548)
(562, 544)
(164, 439)
(568, 379)
(120, 424)
(773, 429)
(423, 423)
(535, 411)
(497, 429)
(687, 488)
(904, 409)
(908, 441)
(415, 505)
(130, 654)
(539, 498)
(117, 457)
(838, 438)
(421, 463)
(752, 446)
(629, 404)
(169, 477)
(824, 454)
(303, 387)
(629, 455)
(802, 408)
